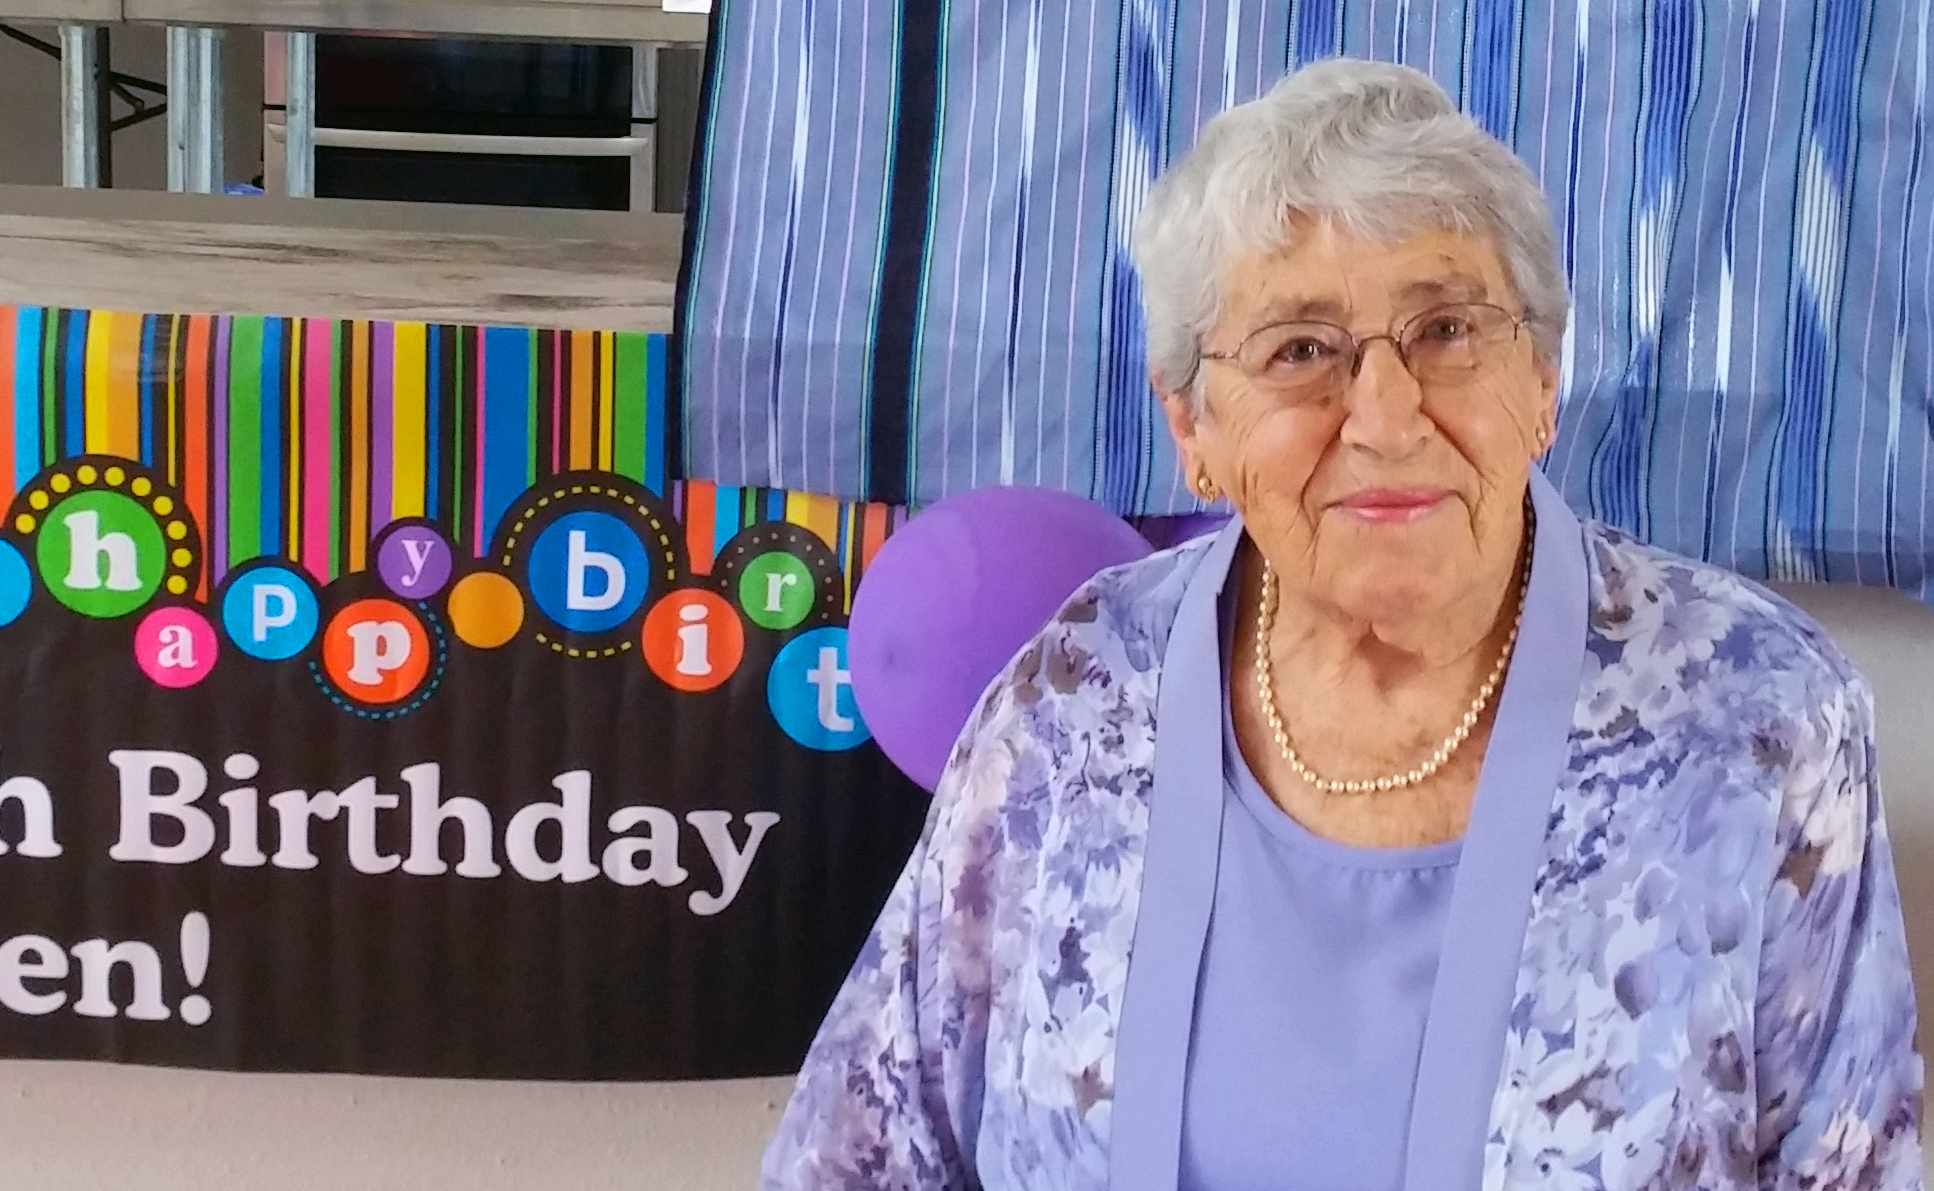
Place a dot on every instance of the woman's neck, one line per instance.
(1327, 645)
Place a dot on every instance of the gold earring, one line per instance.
(1544, 438)
(1205, 487)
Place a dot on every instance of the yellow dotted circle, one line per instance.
(183, 556)
(522, 521)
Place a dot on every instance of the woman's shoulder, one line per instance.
(1651, 605)
(1093, 671)
(1115, 624)
(1139, 599)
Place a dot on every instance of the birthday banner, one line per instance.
(371, 701)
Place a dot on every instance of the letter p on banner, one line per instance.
(376, 651)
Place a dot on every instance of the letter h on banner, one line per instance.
(89, 546)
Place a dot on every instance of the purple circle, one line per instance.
(414, 562)
(951, 598)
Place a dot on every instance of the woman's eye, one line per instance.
(1303, 352)
(1446, 330)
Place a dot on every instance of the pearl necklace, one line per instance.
(1266, 691)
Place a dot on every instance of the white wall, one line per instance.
(95, 1127)
(1891, 638)
(90, 1127)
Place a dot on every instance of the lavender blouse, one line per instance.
(1316, 982)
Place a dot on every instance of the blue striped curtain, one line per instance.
(906, 272)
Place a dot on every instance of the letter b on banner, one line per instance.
(589, 572)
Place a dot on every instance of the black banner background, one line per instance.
(332, 969)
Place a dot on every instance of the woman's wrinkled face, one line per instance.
(1380, 497)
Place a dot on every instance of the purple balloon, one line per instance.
(951, 598)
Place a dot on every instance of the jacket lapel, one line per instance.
(1184, 838)
(1477, 975)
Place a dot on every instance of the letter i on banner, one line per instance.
(693, 640)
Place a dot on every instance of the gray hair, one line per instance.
(1377, 149)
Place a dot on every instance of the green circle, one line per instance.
(122, 560)
(777, 590)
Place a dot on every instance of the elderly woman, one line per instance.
(1411, 832)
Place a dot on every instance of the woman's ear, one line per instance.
(1547, 423)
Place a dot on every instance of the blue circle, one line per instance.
(588, 572)
(270, 613)
(16, 584)
(810, 690)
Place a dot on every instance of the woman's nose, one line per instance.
(1384, 403)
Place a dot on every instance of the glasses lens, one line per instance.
(1297, 357)
(1454, 342)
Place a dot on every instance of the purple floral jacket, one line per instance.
(1711, 987)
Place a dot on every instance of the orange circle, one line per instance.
(693, 640)
(486, 609)
(376, 651)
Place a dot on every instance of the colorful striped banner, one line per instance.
(304, 438)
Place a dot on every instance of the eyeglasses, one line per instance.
(1446, 345)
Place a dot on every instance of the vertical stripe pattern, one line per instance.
(303, 438)
(907, 276)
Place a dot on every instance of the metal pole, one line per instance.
(299, 119)
(195, 110)
(214, 167)
(181, 104)
(80, 122)
(103, 107)
(644, 123)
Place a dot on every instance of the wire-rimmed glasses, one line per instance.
(1445, 345)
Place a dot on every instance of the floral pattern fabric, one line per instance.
(1713, 990)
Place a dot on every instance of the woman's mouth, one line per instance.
(1392, 506)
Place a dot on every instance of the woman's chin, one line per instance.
(1399, 589)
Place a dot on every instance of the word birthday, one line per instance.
(159, 786)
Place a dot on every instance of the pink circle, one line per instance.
(175, 646)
